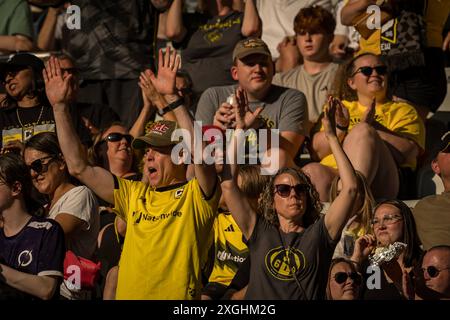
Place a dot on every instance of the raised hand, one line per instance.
(57, 88)
(329, 117)
(168, 66)
(245, 118)
(149, 93)
(342, 114)
(369, 113)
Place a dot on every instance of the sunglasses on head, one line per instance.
(116, 136)
(432, 271)
(284, 190)
(39, 167)
(341, 277)
(367, 71)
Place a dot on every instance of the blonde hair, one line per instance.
(364, 212)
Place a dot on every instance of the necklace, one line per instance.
(27, 133)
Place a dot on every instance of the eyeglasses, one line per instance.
(284, 190)
(116, 136)
(432, 271)
(387, 220)
(367, 71)
(39, 166)
(341, 277)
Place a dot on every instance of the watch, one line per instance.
(171, 106)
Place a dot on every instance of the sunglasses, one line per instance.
(367, 71)
(341, 277)
(432, 271)
(284, 190)
(39, 166)
(116, 136)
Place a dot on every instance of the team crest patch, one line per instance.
(178, 193)
(282, 263)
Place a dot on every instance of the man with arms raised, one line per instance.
(168, 221)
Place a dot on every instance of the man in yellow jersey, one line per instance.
(168, 221)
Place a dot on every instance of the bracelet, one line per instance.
(341, 127)
(171, 106)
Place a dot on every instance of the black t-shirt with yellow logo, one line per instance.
(275, 255)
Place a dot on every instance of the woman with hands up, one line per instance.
(382, 138)
(290, 244)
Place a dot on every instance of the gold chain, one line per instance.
(37, 122)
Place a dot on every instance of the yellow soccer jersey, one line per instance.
(169, 232)
(398, 117)
(229, 250)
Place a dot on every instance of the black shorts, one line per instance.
(214, 290)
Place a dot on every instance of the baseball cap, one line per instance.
(159, 134)
(442, 145)
(21, 60)
(250, 46)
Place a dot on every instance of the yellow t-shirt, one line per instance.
(398, 117)
(167, 240)
(436, 14)
(229, 250)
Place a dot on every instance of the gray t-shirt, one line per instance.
(314, 86)
(284, 109)
(309, 254)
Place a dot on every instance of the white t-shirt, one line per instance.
(81, 203)
(278, 16)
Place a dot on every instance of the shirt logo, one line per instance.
(230, 228)
(282, 263)
(178, 193)
(25, 258)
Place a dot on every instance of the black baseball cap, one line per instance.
(21, 60)
(442, 146)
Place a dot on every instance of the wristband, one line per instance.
(171, 106)
(341, 127)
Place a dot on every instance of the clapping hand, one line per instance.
(369, 113)
(329, 118)
(245, 118)
(57, 88)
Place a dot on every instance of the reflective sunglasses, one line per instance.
(116, 136)
(39, 166)
(432, 271)
(367, 71)
(341, 277)
(284, 190)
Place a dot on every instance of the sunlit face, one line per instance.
(52, 172)
(369, 86)
(293, 206)
(118, 150)
(254, 73)
(18, 82)
(348, 289)
(313, 46)
(158, 166)
(439, 260)
(388, 224)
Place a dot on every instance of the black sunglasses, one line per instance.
(432, 271)
(39, 167)
(116, 136)
(284, 190)
(341, 277)
(367, 71)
